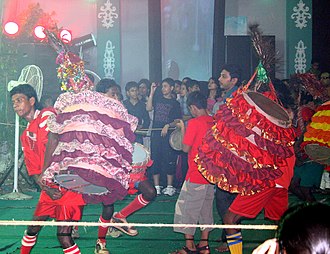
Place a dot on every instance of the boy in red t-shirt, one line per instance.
(62, 205)
(195, 202)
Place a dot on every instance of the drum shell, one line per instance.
(268, 108)
(318, 153)
(176, 140)
(141, 156)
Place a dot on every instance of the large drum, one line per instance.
(317, 137)
(94, 153)
(248, 144)
(318, 153)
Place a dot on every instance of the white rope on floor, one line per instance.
(158, 225)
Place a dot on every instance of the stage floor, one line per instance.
(150, 240)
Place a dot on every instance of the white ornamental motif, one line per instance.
(301, 15)
(300, 59)
(107, 14)
(109, 60)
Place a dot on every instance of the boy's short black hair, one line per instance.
(197, 99)
(192, 82)
(146, 82)
(131, 84)
(186, 78)
(28, 91)
(46, 101)
(169, 81)
(234, 70)
(178, 82)
(105, 84)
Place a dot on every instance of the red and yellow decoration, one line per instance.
(318, 135)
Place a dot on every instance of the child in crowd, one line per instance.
(214, 93)
(183, 102)
(192, 85)
(166, 112)
(177, 89)
(144, 89)
(195, 202)
(136, 108)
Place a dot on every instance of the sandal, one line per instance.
(131, 231)
(186, 250)
(203, 248)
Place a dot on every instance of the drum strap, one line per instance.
(246, 87)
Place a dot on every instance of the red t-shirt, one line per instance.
(34, 139)
(195, 132)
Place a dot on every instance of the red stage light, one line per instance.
(65, 36)
(39, 32)
(11, 28)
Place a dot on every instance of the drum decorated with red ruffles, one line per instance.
(248, 144)
(94, 151)
(317, 136)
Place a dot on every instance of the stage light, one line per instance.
(65, 36)
(11, 28)
(39, 32)
(86, 41)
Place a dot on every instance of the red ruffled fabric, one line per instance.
(235, 132)
(250, 117)
(228, 157)
(320, 134)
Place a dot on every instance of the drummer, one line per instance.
(273, 200)
(95, 135)
(136, 108)
(229, 80)
(141, 183)
(62, 205)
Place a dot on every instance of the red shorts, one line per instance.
(61, 211)
(273, 200)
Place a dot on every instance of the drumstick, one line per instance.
(69, 180)
(155, 129)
